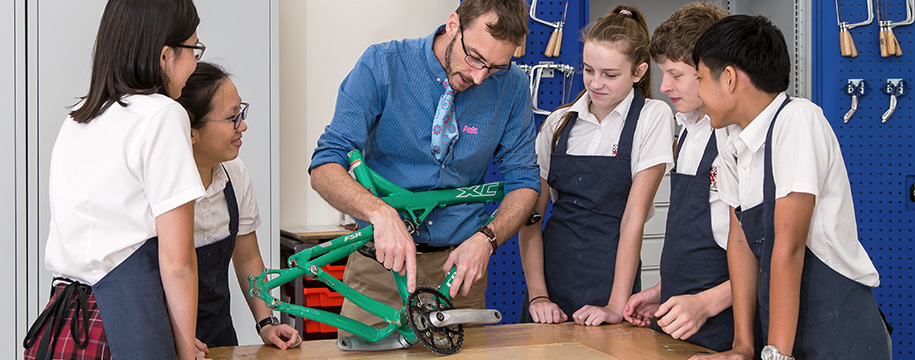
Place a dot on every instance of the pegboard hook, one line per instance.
(854, 88)
(894, 88)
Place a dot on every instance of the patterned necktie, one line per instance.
(444, 125)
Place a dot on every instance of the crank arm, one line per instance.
(464, 316)
(354, 343)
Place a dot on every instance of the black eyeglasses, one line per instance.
(478, 64)
(238, 118)
(198, 49)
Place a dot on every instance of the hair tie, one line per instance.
(625, 12)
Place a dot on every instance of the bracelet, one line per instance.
(491, 236)
(531, 301)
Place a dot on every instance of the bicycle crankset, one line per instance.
(444, 340)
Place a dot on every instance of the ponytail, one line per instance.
(625, 26)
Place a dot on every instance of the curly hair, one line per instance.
(676, 37)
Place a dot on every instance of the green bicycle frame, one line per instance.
(412, 206)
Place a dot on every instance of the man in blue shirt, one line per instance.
(386, 106)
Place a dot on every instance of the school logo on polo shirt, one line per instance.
(713, 177)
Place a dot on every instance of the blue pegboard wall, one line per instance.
(878, 156)
(506, 286)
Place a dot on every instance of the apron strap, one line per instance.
(632, 118)
(563, 144)
(708, 157)
(55, 315)
(768, 179)
(680, 146)
(232, 203)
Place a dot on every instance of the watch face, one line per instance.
(769, 352)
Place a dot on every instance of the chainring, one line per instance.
(441, 340)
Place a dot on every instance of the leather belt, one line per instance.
(426, 248)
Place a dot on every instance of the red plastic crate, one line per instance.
(324, 297)
(333, 270)
(316, 327)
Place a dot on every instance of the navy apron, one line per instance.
(838, 317)
(131, 302)
(214, 317)
(582, 235)
(691, 261)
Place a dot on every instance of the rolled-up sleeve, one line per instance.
(515, 153)
(359, 103)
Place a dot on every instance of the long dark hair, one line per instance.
(625, 26)
(198, 92)
(127, 50)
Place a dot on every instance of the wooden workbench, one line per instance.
(521, 341)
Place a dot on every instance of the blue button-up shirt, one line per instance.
(385, 107)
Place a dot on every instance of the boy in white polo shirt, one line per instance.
(692, 301)
(793, 248)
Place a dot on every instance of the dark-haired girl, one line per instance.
(601, 161)
(226, 218)
(122, 185)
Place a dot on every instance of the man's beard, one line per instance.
(448, 71)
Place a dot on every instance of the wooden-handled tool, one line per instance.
(889, 45)
(893, 42)
(846, 42)
(558, 42)
(519, 51)
(552, 47)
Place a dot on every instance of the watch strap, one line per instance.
(270, 320)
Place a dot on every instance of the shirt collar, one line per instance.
(581, 107)
(220, 178)
(690, 120)
(754, 136)
(435, 67)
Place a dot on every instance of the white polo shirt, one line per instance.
(652, 141)
(699, 132)
(806, 158)
(211, 213)
(109, 180)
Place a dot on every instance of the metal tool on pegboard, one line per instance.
(537, 72)
(846, 42)
(889, 45)
(854, 88)
(894, 88)
(552, 47)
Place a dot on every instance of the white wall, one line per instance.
(320, 43)
(12, 234)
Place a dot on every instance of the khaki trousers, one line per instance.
(372, 279)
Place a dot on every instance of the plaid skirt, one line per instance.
(70, 327)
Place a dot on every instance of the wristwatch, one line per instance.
(270, 320)
(770, 352)
(490, 235)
